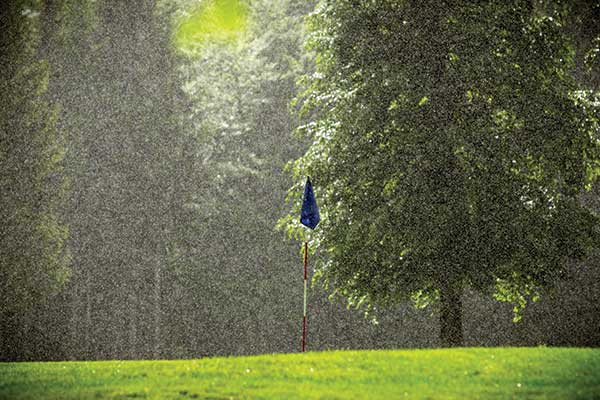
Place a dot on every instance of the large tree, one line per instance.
(450, 146)
(34, 261)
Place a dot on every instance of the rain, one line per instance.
(147, 151)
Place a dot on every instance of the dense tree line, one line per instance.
(34, 262)
(171, 216)
(142, 179)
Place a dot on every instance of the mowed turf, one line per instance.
(504, 373)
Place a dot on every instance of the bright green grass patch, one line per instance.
(214, 20)
(470, 373)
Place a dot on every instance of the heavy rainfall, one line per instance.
(153, 156)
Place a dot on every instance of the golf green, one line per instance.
(538, 373)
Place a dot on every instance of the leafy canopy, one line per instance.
(449, 147)
(34, 260)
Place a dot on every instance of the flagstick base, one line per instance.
(304, 334)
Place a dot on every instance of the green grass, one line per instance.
(504, 373)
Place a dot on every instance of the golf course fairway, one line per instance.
(461, 373)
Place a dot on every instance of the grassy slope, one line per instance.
(551, 373)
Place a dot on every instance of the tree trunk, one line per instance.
(451, 315)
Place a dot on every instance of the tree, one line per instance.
(114, 72)
(34, 259)
(450, 145)
(34, 262)
(240, 78)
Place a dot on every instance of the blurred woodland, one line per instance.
(143, 147)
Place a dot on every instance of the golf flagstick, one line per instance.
(309, 217)
(305, 290)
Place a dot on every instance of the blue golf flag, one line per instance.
(310, 212)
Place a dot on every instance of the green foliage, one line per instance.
(592, 57)
(449, 147)
(33, 259)
(227, 257)
(556, 373)
(213, 20)
(162, 243)
(516, 290)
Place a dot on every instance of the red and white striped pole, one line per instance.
(309, 217)
(305, 289)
